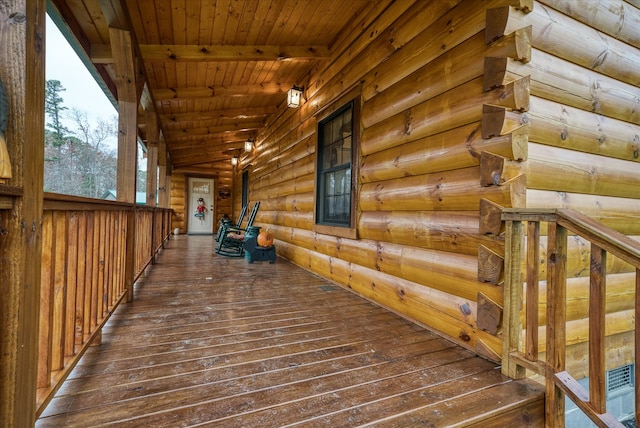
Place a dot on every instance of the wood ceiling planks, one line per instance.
(206, 61)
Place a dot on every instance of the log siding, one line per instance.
(468, 111)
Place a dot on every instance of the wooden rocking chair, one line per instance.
(228, 222)
(231, 241)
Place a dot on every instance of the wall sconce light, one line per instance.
(234, 160)
(248, 145)
(294, 97)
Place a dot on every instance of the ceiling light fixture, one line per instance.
(294, 97)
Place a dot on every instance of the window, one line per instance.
(336, 169)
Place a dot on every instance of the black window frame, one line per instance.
(323, 224)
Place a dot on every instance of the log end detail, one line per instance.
(490, 218)
(491, 169)
(490, 266)
(489, 315)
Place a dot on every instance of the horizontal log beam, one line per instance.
(101, 54)
(617, 213)
(457, 107)
(453, 27)
(461, 64)
(454, 274)
(244, 113)
(559, 35)
(620, 296)
(555, 79)
(551, 168)
(226, 137)
(457, 190)
(571, 128)
(212, 130)
(458, 148)
(445, 231)
(167, 96)
(300, 168)
(617, 19)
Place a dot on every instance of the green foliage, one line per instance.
(76, 162)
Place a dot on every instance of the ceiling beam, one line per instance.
(223, 137)
(162, 94)
(209, 130)
(101, 53)
(244, 113)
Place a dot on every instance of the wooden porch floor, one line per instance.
(214, 341)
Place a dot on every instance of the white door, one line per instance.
(200, 214)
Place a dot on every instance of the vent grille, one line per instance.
(619, 378)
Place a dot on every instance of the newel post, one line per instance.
(22, 72)
(512, 328)
(556, 322)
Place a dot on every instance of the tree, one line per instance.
(53, 108)
(77, 162)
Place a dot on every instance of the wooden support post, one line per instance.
(153, 137)
(163, 186)
(22, 43)
(123, 57)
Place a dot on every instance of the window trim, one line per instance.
(353, 96)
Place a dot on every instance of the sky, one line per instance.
(82, 92)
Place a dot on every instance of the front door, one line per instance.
(200, 212)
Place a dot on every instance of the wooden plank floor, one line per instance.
(214, 341)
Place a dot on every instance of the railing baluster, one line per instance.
(533, 264)
(597, 313)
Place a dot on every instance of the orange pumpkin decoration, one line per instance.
(265, 239)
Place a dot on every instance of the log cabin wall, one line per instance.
(417, 71)
(178, 201)
(583, 128)
(179, 196)
(466, 108)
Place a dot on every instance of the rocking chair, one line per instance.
(228, 222)
(231, 241)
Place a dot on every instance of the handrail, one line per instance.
(519, 354)
(87, 245)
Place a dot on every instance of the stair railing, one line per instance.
(521, 353)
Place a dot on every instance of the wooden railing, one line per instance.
(84, 259)
(521, 354)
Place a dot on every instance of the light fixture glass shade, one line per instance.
(294, 97)
(248, 145)
(234, 160)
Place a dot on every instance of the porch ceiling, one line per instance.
(214, 70)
